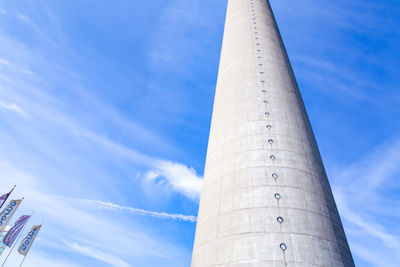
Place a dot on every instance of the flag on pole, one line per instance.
(15, 230)
(8, 212)
(2, 235)
(28, 240)
(4, 197)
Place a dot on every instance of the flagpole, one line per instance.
(23, 260)
(2, 230)
(16, 240)
(28, 251)
(12, 190)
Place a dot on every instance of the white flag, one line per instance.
(28, 240)
(8, 212)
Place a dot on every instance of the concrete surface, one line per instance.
(237, 222)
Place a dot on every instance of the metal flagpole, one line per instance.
(27, 252)
(12, 190)
(23, 260)
(16, 240)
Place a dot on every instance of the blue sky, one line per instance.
(105, 108)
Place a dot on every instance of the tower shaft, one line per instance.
(266, 199)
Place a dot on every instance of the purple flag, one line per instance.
(4, 198)
(15, 230)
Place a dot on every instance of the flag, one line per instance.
(15, 230)
(2, 235)
(28, 240)
(4, 197)
(8, 212)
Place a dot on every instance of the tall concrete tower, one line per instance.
(266, 198)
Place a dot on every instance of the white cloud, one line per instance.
(362, 192)
(83, 230)
(373, 255)
(4, 62)
(177, 176)
(50, 112)
(12, 107)
(99, 255)
(34, 27)
(101, 205)
(369, 226)
(60, 132)
(36, 258)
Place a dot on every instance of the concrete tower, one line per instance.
(266, 198)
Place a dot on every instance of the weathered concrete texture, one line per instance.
(237, 223)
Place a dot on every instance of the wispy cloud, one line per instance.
(48, 110)
(178, 177)
(101, 205)
(177, 20)
(347, 55)
(363, 192)
(69, 130)
(63, 216)
(100, 255)
(328, 75)
(44, 260)
(12, 107)
(4, 62)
